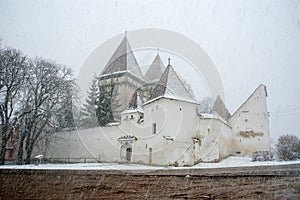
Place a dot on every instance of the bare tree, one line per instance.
(46, 101)
(188, 88)
(205, 105)
(12, 76)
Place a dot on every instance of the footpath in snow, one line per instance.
(232, 161)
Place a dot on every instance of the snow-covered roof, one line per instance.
(155, 70)
(170, 86)
(113, 124)
(112, 74)
(208, 116)
(123, 59)
(170, 97)
(212, 116)
(129, 111)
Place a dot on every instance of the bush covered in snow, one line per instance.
(262, 156)
(288, 147)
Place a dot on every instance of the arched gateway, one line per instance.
(126, 148)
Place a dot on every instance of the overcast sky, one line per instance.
(250, 42)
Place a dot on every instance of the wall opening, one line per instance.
(154, 128)
(150, 155)
(128, 153)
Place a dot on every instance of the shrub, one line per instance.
(262, 156)
(288, 147)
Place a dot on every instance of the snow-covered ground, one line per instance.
(235, 161)
(232, 161)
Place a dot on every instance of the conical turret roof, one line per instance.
(155, 70)
(171, 86)
(220, 108)
(123, 60)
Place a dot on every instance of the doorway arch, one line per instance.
(126, 152)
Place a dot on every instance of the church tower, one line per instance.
(123, 71)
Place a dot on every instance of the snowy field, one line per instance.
(232, 161)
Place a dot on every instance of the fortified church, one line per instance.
(159, 122)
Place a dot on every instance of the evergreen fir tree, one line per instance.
(107, 104)
(89, 108)
(115, 102)
(102, 108)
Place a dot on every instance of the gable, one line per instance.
(256, 102)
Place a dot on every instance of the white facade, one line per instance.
(250, 124)
(169, 132)
(167, 129)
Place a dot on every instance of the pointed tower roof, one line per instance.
(220, 109)
(123, 60)
(155, 70)
(171, 86)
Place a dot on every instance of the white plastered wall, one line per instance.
(250, 124)
(177, 128)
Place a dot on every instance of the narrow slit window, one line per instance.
(154, 128)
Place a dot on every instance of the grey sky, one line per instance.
(250, 42)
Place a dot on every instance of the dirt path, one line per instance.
(276, 182)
